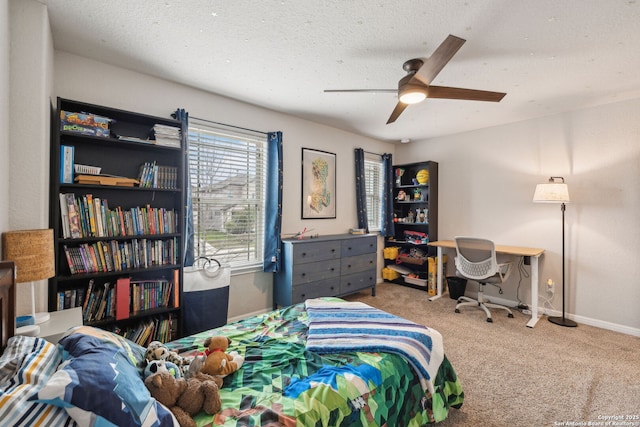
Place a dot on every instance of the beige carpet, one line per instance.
(518, 376)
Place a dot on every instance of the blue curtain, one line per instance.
(273, 212)
(188, 232)
(386, 228)
(361, 191)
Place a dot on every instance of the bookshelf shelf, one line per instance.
(105, 235)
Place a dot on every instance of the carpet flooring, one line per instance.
(518, 376)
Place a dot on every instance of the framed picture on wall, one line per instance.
(318, 184)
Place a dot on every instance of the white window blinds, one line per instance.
(227, 168)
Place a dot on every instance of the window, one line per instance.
(373, 183)
(227, 169)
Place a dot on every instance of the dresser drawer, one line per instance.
(315, 251)
(354, 282)
(360, 245)
(321, 288)
(354, 264)
(313, 271)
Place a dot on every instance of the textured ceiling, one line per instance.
(549, 56)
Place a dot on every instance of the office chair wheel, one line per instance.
(510, 315)
(489, 319)
(457, 310)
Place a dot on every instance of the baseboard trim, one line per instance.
(627, 330)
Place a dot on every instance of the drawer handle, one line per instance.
(303, 295)
(333, 250)
(370, 261)
(349, 248)
(349, 266)
(304, 254)
(332, 269)
(348, 283)
(304, 274)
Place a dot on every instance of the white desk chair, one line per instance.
(476, 260)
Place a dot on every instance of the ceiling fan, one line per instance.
(416, 85)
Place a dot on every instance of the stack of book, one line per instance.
(167, 135)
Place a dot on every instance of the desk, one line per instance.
(533, 253)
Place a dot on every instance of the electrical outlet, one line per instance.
(550, 286)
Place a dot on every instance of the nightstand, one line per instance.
(59, 322)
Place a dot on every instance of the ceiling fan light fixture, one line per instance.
(412, 95)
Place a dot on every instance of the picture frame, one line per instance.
(318, 184)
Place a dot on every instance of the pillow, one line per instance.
(98, 382)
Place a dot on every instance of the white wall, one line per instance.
(28, 116)
(4, 116)
(487, 180)
(124, 89)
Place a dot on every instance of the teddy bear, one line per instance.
(218, 362)
(185, 398)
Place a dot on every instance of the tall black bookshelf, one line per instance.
(133, 234)
(415, 216)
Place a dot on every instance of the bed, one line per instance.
(301, 368)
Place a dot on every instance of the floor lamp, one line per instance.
(556, 191)
(33, 253)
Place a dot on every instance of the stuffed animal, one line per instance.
(158, 351)
(160, 366)
(185, 398)
(218, 362)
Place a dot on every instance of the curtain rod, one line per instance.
(231, 126)
(370, 152)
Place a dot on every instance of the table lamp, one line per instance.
(556, 191)
(32, 252)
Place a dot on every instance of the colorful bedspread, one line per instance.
(282, 383)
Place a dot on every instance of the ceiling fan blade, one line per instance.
(439, 59)
(400, 106)
(363, 90)
(444, 92)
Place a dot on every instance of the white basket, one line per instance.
(86, 169)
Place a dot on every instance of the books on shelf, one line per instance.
(88, 216)
(161, 329)
(157, 176)
(150, 294)
(103, 256)
(70, 298)
(119, 300)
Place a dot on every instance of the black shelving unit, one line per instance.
(116, 156)
(415, 220)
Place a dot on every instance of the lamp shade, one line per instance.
(552, 192)
(32, 252)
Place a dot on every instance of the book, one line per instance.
(66, 164)
(74, 216)
(176, 287)
(123, 297)
(64, 216)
